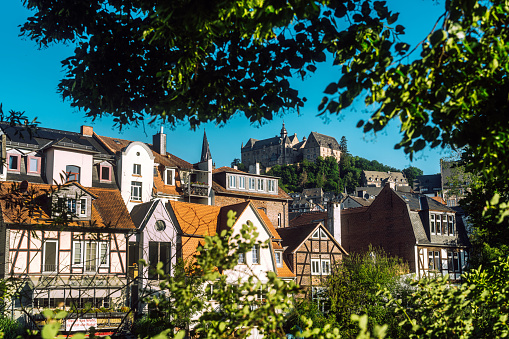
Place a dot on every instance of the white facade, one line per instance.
(136, 174)
(57, 161)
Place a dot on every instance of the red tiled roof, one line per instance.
(33, 207)
(117, 145)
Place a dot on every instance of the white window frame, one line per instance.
(315, 266)
(44, 263)
(255, 254)
(242, 182)
(232, 181)
(79, 260)
(316, 234)
(450, 225)
(82, 207)
(242, 258)
(260, 184)
(325, 266)
(68, 203)
(171, 172)
(438, 224)
(432, 224)
(271, 185)
(252, 183)
(136, 169)
(278, 258)
(279, 220)
(323, 235)
(136, 186)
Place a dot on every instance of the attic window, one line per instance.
(117, 142)
(14, 161)
(105, 172)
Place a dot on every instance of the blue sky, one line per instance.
(29, 79)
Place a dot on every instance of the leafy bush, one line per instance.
(10, 328)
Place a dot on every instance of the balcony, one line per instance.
(49, 268)
(196, 189)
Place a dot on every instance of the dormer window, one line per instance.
(105, 173)
(34, 165)
(231, 181)
(169, 176)
(260, 184)
(279, 259)
(13, 162)
(242, 182)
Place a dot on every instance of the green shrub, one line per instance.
(10, 328)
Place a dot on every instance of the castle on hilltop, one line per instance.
(284, 149)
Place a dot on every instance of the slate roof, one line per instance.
(361, 201)
(418, 202)
(141, 211)
(372, 191)
(254, 144)
(108, 208)
(44, 137)
(295, 235)
(323, 140)
(429, 183)
(309, 218)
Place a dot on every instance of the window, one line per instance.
(231, 181)
(439, 224)
(279, 220)
(71, 205)
(432, 224)
(270, 185)
(83, 207)
(34, 164)
(105, 173)
(260, 184)
(315, 266)
(72, 173)
(91, 254)
(169, 177)
(444, 224)
(453, 262)
(159, 252)
(136, 169)
(316, 235)
(434, 261)
(135, 191)
(50, 256)
(279, 261)
(77, 258)
(242, 258)
(451, 225)
(322, 234)
(252, 183)
(319, 233)
(325, 267)
(14, 161)
(256, 254)
(242, 182)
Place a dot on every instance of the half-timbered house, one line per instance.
(310, 251)
(64, 246)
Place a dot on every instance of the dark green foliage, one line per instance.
(412, 173)
(322, 173)
(10, 328)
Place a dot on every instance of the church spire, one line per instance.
(205, 150)
(284, 133)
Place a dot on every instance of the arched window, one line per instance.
(72, 173)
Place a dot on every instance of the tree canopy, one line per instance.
(200, 61)
(206, 61)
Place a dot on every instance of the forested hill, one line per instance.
(330, 175)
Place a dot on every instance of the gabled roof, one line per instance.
(40, 138)
(108, 208)
(361, 201)
(322, 140)
(294, 237)
(254, 144)
(309, 218)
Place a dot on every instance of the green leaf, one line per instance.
(331, 88)
(437, 37)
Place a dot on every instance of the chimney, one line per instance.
(87, 131)
(334, 219)
(235, 167)
(159, 141)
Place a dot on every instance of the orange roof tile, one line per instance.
(33, 207)
(117, 145)
(267, 222)
(196, 219)
(284, 272)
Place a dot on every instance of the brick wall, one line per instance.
(271, 208)
(385, 224)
